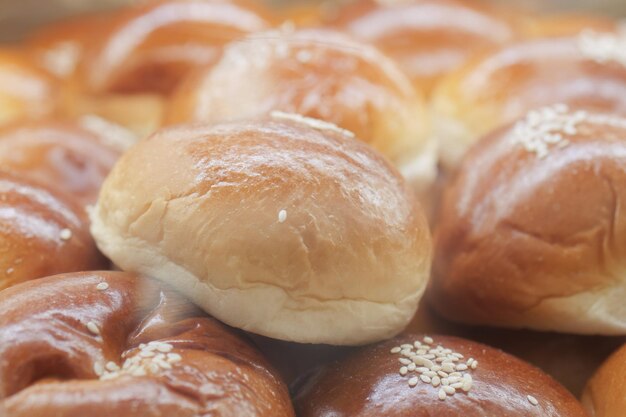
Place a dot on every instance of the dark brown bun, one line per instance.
(110, 343)
(284, 226)
(531, 231)
(321, 74)
(373, 383)
(43, 231)
(587, 70)
(26, 90)
(61, 155)
(149, 47)
(428, 38)
(605, 394)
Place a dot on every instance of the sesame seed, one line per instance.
(474, 364)
(467, 383)
(425, 378)
(411, 367)
(282, 216)
(103, 286)
(174, 357)
(457, 385)
(461, 367)
(93, 328)
(404, 371)
(395, 350)
(442, 394)
(98, 368)
(435, 381)
(532, 400)
(111, 366)
(428, 340)
(165, 347)
(404, 361)
(449, 390)
(66, 234)
(413, 381)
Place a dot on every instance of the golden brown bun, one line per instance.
(369, 384)
(605, 394)
(150, 47)
(531, 231)
(63, 340)
(321, 74)
(26, 91)
(502, 85)
(42, 232)
(286, 228)
(59, 154)
(428, 38)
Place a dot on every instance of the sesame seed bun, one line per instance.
(43, 231)
(531, 231)
(373, 382)
(321, 74)
(286, 227)
(112, 343)
(605, 394)
(500, 86)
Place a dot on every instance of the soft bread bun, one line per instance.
(26, 90)
(286, 227)
(489, 382)
(531, 232)
(317, 73)
(149, 47)
(62, 155)
(588, 70)
(428, 38)
(111, 343)
(42, 232)
(605, 394)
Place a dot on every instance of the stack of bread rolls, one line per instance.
(359, 209)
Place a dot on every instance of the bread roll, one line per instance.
(320, 74)
(26, 91)
(62, 155)
(42, 232)
(287, 227)
(531, 232)
(605, 394)
(587, 70)
(428, 38)
(150, 46)
(109, 343)
(487, 382)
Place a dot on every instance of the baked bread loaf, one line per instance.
(321, 74)
(26, 90)
(61, 155)
(421, 376)
(588, 70)
(605, 394)
(531, 231)
(428, 38)
(149, 47)
(287, 227)
(111, 343)
(42, 232)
